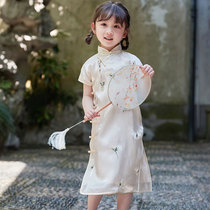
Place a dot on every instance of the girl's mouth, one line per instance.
(109, 39)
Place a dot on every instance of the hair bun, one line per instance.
(89, 37)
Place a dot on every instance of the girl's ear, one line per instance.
(93, 27)
(125, 33)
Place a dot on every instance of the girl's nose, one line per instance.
(109, 31)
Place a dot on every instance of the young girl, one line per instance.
(117, 163)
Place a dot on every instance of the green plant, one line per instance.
(5, 84)
(43, 91)
(6, 121)
(6, 81)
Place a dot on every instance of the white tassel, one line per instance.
(57, 139)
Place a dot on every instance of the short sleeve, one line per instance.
(137, 61)
(132, 59)
(85, 75)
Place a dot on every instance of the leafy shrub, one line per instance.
(44, 93)
(6, 120)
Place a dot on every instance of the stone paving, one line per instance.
(50, 179)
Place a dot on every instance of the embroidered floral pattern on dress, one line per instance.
(137, 135)
(121, 186)
(91, 169)
(102, 84)
(115, 149)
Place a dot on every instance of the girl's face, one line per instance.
(109, 33)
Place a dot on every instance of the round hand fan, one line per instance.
(127, 89)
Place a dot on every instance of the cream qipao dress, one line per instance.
(117, 162)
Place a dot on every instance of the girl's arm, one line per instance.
(87, 103)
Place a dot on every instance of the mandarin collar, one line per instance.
(104, 52)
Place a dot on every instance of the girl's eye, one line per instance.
(103, 24)
(117, 26)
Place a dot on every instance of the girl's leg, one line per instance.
(124, 200)
(93, 201)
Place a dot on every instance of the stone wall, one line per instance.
(160, 35)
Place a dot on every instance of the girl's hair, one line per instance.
(105, 11)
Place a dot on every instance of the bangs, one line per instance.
(113, 10)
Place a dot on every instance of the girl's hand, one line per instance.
(147, 70)
(90, 114)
